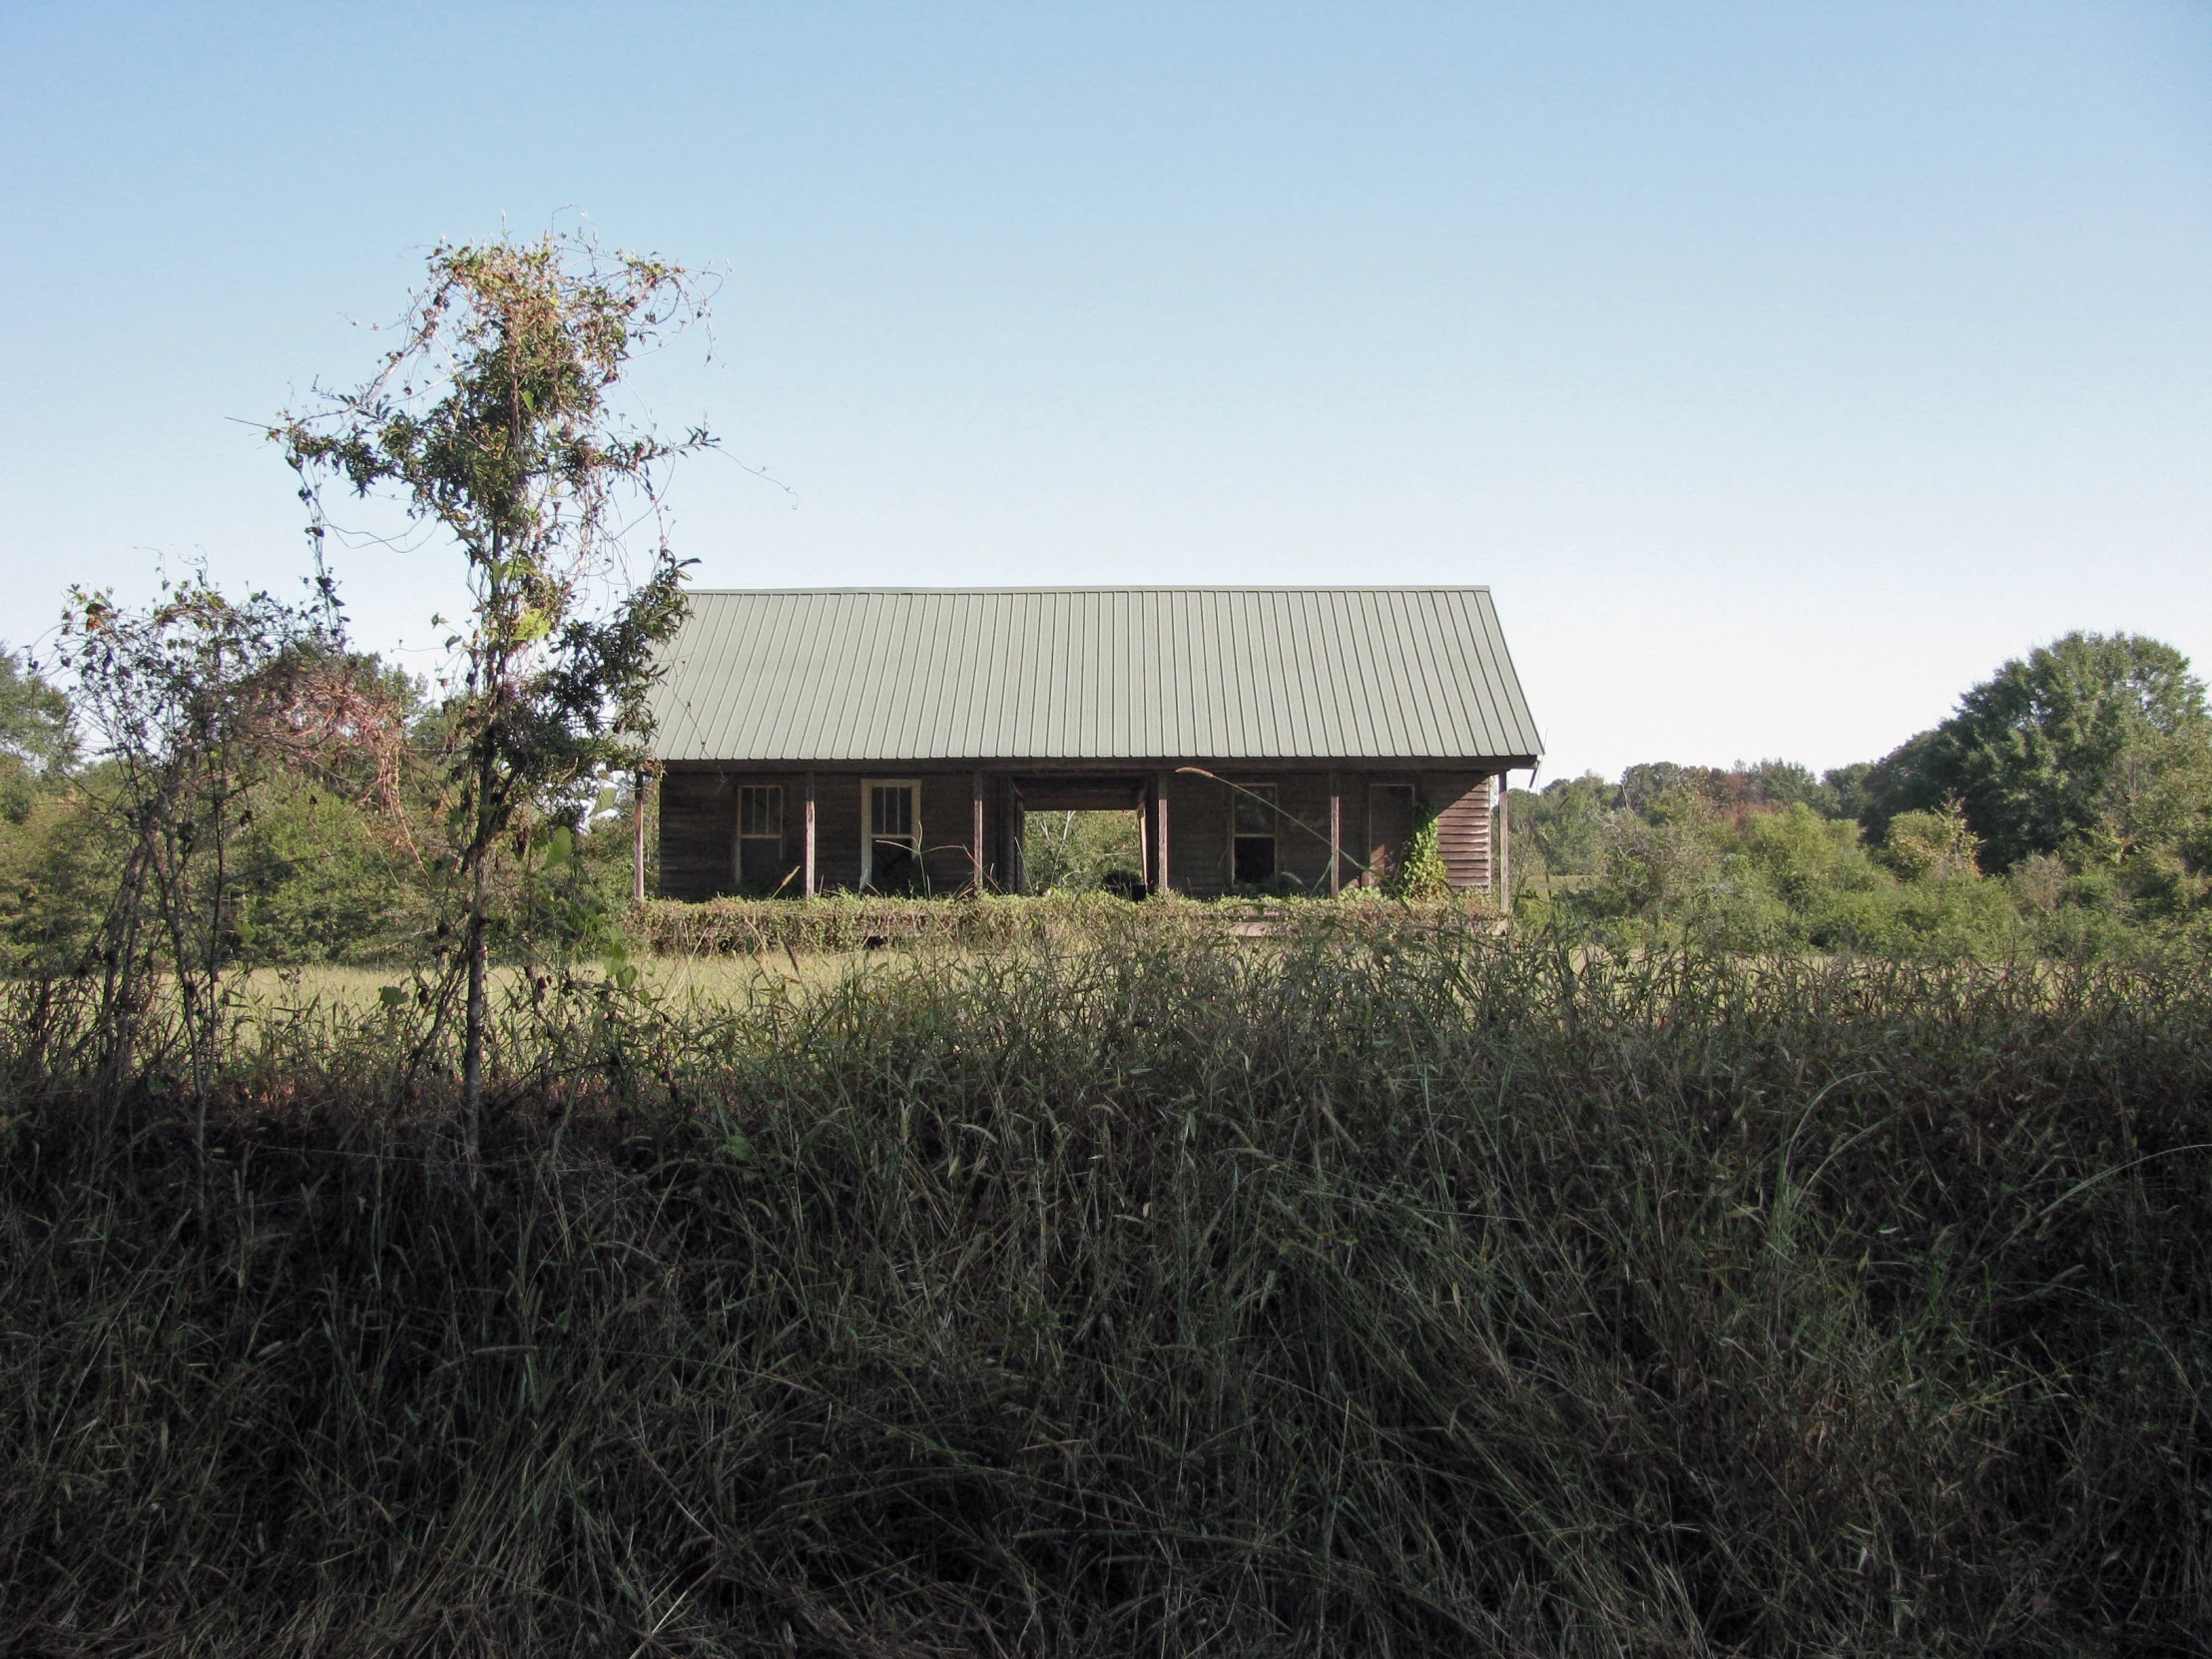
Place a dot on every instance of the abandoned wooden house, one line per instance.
(1267, 739)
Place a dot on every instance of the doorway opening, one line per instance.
(1084, 852)
(1391, 817)
(1082, 834)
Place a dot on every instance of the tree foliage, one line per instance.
(197, 703)
(2095, 745)
(38, 737)
(492, 418)
(1082, 852)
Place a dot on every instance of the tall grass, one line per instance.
(1331, 1297)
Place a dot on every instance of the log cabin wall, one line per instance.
(697, 819)
(1461, 802)
(948, 829)
(1302, 829)
(1200, 817)
(837, 809)
(698, 829)
(1198, 837)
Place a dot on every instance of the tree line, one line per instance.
(2066, 805)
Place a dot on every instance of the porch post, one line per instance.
(806, 855)
(978, 805)
(1504, 849)
(637, 836)
(1336, 835)
(1160, 830)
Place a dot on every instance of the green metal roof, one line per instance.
(1090, 674)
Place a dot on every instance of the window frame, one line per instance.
(868, 838)
(1240, 794)
(738, 841)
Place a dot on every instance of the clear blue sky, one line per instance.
(1781, 367)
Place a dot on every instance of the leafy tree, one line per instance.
(1664, 863)
(325, 876)
(1937, 843)
(58, 876)
(1566, 822)
(491, 419)
(1800, 856)
(1783, 784)
(1643, 785)
(2096, 739)
(1846, 788)
(38, 737)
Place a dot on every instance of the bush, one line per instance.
(1421, 877)
(322, 884)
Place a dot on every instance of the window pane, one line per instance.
(891, 810)
(1255, 858)
(760, 809)
(1256, 810)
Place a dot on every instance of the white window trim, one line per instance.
(868, 787)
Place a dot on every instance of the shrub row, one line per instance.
(837, 923)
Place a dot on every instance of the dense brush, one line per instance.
(1316, 1296)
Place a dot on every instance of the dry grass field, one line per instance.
(1342, 1296)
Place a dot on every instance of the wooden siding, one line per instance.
(948, 829)
(698, 820)
(1461, 804)
(1201, 855)
(1198, 837)
(837, 831)
(698, 825)
(698, 829)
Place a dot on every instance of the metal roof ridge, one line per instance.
(1104, 587)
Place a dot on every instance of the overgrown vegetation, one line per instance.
(1086, 852)
(1797, 1238)
(491, 421)
(1413, 1296)
(2066, 809)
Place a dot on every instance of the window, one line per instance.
(1253, 834)
(760, 836)
(891, 851)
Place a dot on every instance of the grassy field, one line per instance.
(713, 979)
(1339, 1296)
